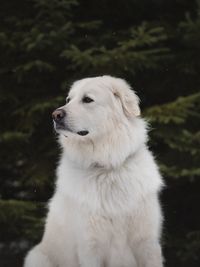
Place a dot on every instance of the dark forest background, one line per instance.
(47, 44)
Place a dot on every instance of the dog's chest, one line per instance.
(112, 192)
(107, 228)
(107, 236)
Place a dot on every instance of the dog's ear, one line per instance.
(129, 100)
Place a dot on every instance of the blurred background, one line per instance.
(47, 44)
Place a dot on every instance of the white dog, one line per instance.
(105, 211)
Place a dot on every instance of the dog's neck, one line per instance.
(129, 158)
(110, 152)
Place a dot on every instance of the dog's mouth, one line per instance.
(82, 133)
(61, 127)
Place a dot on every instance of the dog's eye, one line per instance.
(87, 99)
(68, 100)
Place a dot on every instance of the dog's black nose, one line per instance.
(58, 115)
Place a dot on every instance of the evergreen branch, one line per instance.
(176, 112)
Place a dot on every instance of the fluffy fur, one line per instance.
(105, 211)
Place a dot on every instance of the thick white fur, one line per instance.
(105, 211)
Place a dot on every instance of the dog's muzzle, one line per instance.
(59, 116)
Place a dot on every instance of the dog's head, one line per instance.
(99, 123)
(95, 106)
